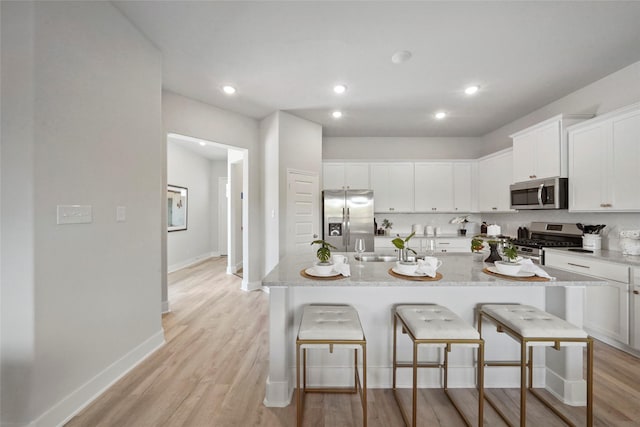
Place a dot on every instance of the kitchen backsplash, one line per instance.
(509, 222)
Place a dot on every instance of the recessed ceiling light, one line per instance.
(336, 114)
(229, 90)
(401, 56)
(339, 89)
(471, 90)
(202, 143)
(440, 115)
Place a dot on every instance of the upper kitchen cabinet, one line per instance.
(494, 177)
(443, 187)
(540, 151)
(604, 167)
(338, 175)
(433, 187)
(393, 186)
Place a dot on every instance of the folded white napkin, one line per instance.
(343, 269)
(529, 267)
(426, 269)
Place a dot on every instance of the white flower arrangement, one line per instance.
(460, 220)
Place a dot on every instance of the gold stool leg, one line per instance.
(523, 383)
(298, 391)
(414, 409)
(481, 384)
(589, 382)
(364, 386)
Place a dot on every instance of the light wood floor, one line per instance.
(213, 369)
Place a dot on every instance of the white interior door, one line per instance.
(303, 211)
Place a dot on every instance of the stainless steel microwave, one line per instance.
(549, 193)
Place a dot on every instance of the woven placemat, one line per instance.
(516, 279)
(304, 274)
(415, 278)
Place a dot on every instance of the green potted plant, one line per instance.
(509, 267)
(387, 225)
(403, 247)
(324, 264)
(477, 245)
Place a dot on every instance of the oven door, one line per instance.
(534, 254)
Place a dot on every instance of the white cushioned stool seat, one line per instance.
(435, 322)
(531, 322)
(329, 322)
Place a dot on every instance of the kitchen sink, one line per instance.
(376, 258)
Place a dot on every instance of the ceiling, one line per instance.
(210, 150)
(288, 56)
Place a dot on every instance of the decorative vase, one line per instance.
(478, 256)
(494, 255)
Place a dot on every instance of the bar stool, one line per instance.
(332, 325)
(433, 324)
(534, 327)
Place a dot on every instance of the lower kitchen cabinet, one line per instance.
(635, 309)
(606, 309)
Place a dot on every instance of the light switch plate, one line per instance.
(74, 214)
(121, 213)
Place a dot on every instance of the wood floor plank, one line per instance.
(212, 372)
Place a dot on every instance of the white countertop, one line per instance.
(457, 270)
(604, 255)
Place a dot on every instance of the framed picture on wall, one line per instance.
(176, 208)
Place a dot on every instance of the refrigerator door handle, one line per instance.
(348, 230)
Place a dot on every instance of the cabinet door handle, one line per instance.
(495, 209)
(433, 209)
(392, 209)
(444, 243)
(578, 265)
(636, 292)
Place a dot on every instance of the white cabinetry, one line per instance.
(337, 175)
(494, 178)
(635, 309)
(606, 310)
(462, 187)
(433, 187)
(457, 245)
(443, 187)
(604, 167)
(540, 151)
(393, 186)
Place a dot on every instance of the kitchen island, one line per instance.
(374, 293)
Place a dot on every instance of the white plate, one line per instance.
(312, 272)
(518, 274)
(415, 274)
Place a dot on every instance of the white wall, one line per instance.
(186, 116)
(607, 94)
(270, 190)
(288, 142)
(86, 93)
(218, 169)
(400, 148)
(188, 169)
(300, 148)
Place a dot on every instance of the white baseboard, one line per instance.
(251, 286)
(278, 394)
(572, 393)
(69, 406)
(191, 261)
(165, 307)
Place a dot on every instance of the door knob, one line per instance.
(315, 236)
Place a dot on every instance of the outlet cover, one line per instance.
(74, 214)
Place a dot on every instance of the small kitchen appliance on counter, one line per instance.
(548, 235)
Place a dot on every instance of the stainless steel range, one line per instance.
(548, 235)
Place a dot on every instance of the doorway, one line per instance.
(212, 189)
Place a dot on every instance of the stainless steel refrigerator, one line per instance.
(348, 215)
